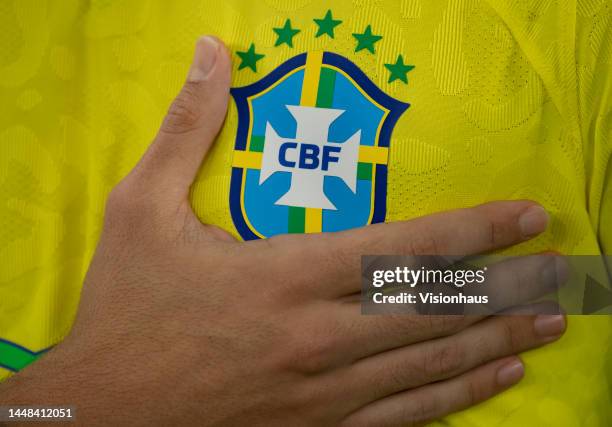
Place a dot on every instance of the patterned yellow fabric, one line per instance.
(509, 99)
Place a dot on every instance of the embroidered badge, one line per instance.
(312, 144)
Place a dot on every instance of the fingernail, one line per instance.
(549, 326)
(533, 221)
(510, 373)
(204, 59)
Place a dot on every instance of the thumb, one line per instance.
(191, 124)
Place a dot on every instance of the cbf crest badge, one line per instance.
(311, 149)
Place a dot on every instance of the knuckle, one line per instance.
(497, 232)
(308, 403)
(312, 356)
(296, 398)
(473, 392)
(398, 325)
(129, 208)
(184, 113)
(394, 377)
(426, 409)
(423, 243)
(445, 324)
(509, 334)
(522, 284)
(443, 360)
(120, 215)
(120, 200)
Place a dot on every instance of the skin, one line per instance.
(181, 324)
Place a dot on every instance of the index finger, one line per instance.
(332, 261)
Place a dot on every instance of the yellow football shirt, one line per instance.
(508, 99)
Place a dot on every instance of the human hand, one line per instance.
(180, 324)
